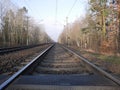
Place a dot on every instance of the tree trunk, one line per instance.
(118, 26)
(103, 23)
(119, 34)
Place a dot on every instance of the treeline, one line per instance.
(17, 28)
(98, 31)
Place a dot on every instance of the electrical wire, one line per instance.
(30, 7)
(71, 8)
(56, 11)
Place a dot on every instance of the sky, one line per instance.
(52, 13)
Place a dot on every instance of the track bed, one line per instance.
(59, 69)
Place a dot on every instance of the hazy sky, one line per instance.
(44, 12)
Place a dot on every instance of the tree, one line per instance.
(118, 9)
(99, 31)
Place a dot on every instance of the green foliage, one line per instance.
(112, 59)
(107, 12)
(85, 30)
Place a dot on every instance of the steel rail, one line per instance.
(12, 49)
(17, 74)
(106, 74)
(9, 48)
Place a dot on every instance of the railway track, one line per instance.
(13, 49)
(58, 68)
(11, 62)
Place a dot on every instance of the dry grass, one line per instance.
(108, 62)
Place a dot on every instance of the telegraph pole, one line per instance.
(67, 30)
(27, 30)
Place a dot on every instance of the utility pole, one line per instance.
(27, 30)
(67, 30)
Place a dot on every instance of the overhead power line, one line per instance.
(56, 10)
(71, 8)
(28, 5)
(32, 9)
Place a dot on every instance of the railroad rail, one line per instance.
(13, 49)
(59, 68)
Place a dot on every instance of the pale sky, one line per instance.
(44, 12)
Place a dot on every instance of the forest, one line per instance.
(18, 28)
(98, 31)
